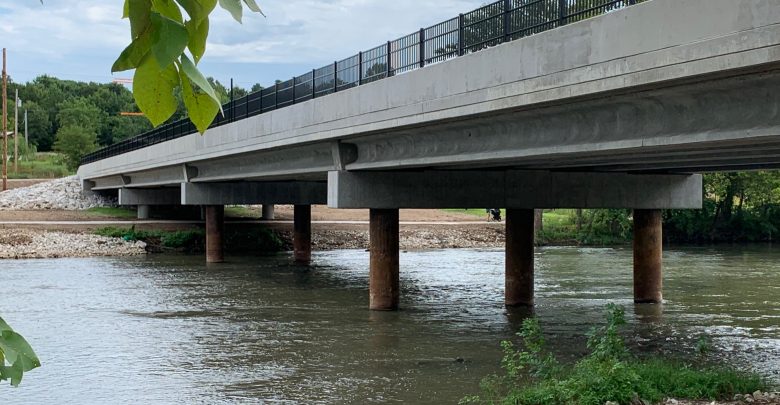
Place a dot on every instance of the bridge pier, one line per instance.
(215, 227)
(302, 234)
(648, 250)
(143, 211)
(268, 212)
(519, 270)
(384, 280)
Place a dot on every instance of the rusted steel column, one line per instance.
(215, 228)
(648, 264)
(384, 283)
(519, 275)
(302, 234)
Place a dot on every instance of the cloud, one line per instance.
(79, 39)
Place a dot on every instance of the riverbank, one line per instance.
(39, 244)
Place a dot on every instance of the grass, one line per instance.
(39, 166)
(239, 211)
(597, 227)
(254, 240)
(532, 374)
(112, 212)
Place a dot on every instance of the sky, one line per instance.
(80, 39)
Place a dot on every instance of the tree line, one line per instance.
(76, 118)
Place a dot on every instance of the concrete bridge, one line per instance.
(616, 111)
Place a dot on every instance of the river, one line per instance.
(169, 329)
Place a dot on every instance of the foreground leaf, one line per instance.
(197, 78)
(234, 7)
(169, 39)
(139, 12)
(201, 107)
(153, 89)
(198, 10)
(253, 6)
(132, 56)
(198, 35)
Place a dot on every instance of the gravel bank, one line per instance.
(411, 238)
(33, 244)
(58, 194)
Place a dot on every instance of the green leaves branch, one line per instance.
(16, 355)
(162, 32)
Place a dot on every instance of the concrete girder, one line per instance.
(298, 193)
(295, 162)
(149, 196)
(512, 189)
(727, 111)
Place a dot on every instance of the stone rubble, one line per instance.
(38, 244)
(59, 194)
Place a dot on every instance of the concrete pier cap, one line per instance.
(512, 189)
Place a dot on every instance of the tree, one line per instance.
(75, 141)
(162, 31)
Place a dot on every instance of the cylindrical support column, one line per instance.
(648, 251)
(268, 212)
(302, 234)
(215, 227)
(519, 274)
(143, 211)
(384, 282)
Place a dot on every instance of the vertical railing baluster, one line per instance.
(276, 96)
(461, 35)
(389, 57)
(313, 89)
(507, 19)
(360, 68)
(335, 77)
(422, 47)
(562, 6)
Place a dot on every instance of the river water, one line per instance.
(171, 329)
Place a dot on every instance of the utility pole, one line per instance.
(16, 132)
(5, 128)
(26, 139)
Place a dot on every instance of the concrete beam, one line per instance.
(300, 193)
(512, 189)
(149, 196)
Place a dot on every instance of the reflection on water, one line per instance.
(171, 329)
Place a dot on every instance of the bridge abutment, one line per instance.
(384, 278)
(302, 234)
(215, 228)
(648, 263)
(519, 251)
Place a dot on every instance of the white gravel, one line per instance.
(59, 194)
(37, 244)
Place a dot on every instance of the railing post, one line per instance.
(335, 77)
(389, 58)
(507, 19)
(276, 96)
(461, 35)
(313, 88)
(422, 47)
(246, 106)
(562, 11)
(360, 68)
(294, 86)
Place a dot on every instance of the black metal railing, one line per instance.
(489, 25)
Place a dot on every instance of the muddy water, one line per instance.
(169, 329)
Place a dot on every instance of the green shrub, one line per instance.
(608, 373)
